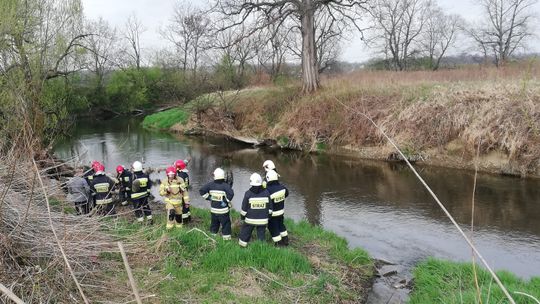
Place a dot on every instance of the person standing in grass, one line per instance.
(182, 172)
(256, 207)
(278, 193)
(102, 187)
(140, 191)
(175, 192)
(220, 195)
(79, 192)
(123, 176)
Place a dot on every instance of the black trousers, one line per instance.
(106, 209)
(82, 207)
(124, 195)
(277, 227)
(186, 214)
(247, 229)
(141, 207)
(223, 221)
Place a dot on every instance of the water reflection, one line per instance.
(379, 206)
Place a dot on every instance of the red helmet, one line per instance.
(100, 169)
(95, 164)
(170, 171)
(120, 169)
(180, 164)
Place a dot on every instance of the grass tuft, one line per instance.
(449, 282)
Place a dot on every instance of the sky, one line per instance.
(154, 14)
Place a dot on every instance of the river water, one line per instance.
(375, 205)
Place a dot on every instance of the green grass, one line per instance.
(314, 268)
(449, 282)
(166, 119)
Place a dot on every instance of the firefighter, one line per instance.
(256, 207)
(89, 176)
(182, 172)
(278, 193)
(102, 187)
(140, 191)
(220, 195)
(267, 165)
(176, 194)
(123, 176)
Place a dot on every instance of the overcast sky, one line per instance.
(155, 13)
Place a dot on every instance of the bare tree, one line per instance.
(505, 27)
(329, 33)
(439, 35)
(281, 13)
(188, 30)
(102, 46)
(274, 43)
(398, 25)
(132, 34)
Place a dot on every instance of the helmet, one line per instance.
(100, 169)
(269, 165)
(219, 174)
(95, 164)
(170, 171)
(271, 175)
(180, 164)
(255, 179)
(137, 166)
(120, 169)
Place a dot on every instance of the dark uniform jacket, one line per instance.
(185, 176)
(89, 176)
(102, 186)
(124, 180)
(278, 193)
(140, 185)
(256, 206)
(220, 195)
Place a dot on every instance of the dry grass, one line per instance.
(32, 260)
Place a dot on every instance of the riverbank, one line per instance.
(191, 265)
(435, 121)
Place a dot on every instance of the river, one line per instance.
(375, 205)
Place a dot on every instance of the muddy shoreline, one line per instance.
(495, 162)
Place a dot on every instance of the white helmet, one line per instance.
(219, 174)
(137, 166)
(271, 175)
(269, 165)
(255, 180)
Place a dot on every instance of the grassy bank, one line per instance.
(166, 119)
(186, 264)
(439, 117)
(448, 282)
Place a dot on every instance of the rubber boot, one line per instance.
(170, 226)
(285, 240)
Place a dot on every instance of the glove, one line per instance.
(242, 217)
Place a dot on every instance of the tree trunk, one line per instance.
(310, 73)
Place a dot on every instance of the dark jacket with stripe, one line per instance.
(140, 185)
(256, 206)
(220, 195)
(278, 194)
(102, 186)
(125, 180)
(185, 176)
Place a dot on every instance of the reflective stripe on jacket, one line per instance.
(256, 206)
(278, 194)
(220, 195)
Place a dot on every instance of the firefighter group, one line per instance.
(262, 206)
